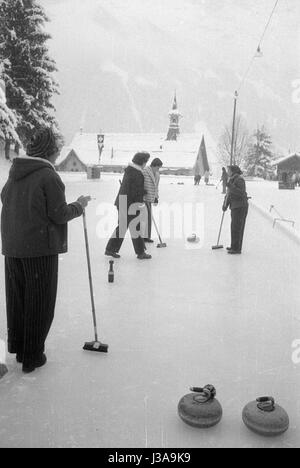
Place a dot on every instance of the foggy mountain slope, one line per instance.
(121, 60)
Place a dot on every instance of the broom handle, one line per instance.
(90, 273)
(154, 222)
(221, 228)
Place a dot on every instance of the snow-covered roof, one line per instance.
(286, 158)
(175, 154)
(65, 151)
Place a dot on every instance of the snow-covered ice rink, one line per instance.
(186, 318)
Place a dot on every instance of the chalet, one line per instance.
(70, 162)
(113, 151)
(288, 171)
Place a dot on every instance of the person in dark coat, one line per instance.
(130, 203)
(224, 180)
(237, 200)
(197, 179)
(34, 221)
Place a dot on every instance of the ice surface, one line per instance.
(186, 318)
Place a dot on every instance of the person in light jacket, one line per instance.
(152, 179)
(237, 200)
(206, 177)
(34, 221)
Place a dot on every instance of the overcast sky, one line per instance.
(120, 61)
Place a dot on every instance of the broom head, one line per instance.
(96, 346)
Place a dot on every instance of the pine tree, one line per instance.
(28, 69)
(260, 154)
(8, 119)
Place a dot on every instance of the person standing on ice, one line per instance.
(237, 200)
(130, 204)
(34, 232)
(197, 179)
(224, 180)
(152, 179)
(206, 177)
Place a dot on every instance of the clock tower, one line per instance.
(175, 116)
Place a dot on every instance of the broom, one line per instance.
(96, 345)
(161, 245)
(218, 246)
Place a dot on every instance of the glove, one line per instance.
(84, 201)
(224, 208)
(156, 202)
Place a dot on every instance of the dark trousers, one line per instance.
(238, 222)
(31, 289)
(149, 220)
(116, 240)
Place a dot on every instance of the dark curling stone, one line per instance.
(200, 408)
(266, 418)
(3, 370)
(193, 238)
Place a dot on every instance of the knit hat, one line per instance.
(43, 144)
(141, 158)
(235, 170)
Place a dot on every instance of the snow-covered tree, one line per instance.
(241, 143)
(28, 69)
(260, 155)
(8, 121)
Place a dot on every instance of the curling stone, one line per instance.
(200, 408)
(3, 370)
(193, 239)
(265, 417)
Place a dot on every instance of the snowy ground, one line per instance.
(188, 317)
(286, 202)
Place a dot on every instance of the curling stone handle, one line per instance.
(204, 394)
(266, 404)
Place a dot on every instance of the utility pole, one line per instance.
(232, 155)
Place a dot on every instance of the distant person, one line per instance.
(206, 177)
(130, 203)
(152, 179)
(34, 232)
(237, 200)
(197, 179)
(224, 180)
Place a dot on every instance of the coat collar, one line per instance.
(37, 159)
(135, 166)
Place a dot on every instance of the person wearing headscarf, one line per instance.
(237, 200)
(130, 205)
(34, 222)
(152, 179)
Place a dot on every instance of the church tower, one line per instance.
(175, 116)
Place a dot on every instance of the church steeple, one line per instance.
(175, 116)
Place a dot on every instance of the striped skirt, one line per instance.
(31, 289)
